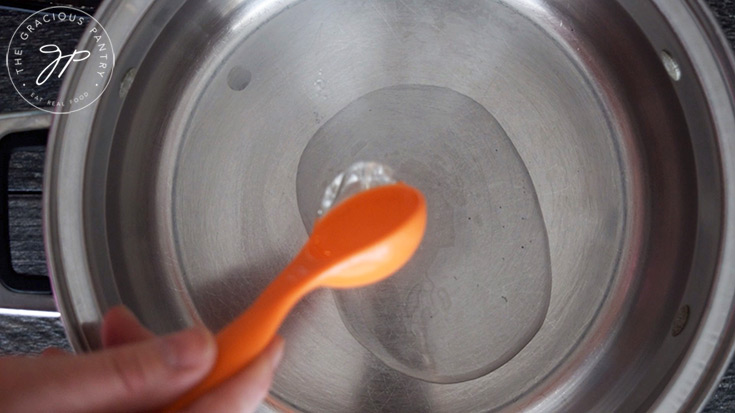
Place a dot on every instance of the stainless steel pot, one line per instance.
(577, 156)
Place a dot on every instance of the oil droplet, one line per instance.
(321, 86)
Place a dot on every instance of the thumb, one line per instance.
(134, 377)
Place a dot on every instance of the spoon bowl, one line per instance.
(369, 236)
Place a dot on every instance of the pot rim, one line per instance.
(713, 343)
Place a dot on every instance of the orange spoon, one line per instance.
(362, 240)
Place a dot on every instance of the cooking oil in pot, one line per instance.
(478, 289)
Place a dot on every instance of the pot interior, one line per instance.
(567, 196)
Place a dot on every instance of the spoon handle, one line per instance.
(243, 339)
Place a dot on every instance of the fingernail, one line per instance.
(276, 351)
(53, 352)
(119, 311)
(189, 348)
(126, 312)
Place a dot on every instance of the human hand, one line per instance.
(136, 371)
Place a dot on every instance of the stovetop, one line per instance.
(22, 261)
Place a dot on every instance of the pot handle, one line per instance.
(20, 294)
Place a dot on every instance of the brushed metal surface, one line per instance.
(180, 195)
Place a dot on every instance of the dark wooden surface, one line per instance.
(28, 335)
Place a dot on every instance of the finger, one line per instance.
(246, 390)
(120, 326)
(133, 377)
(53, 351)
